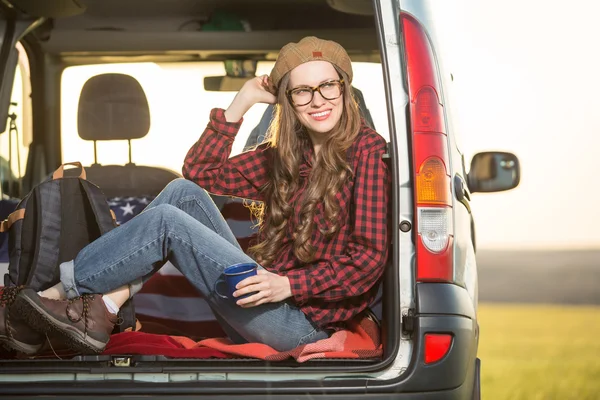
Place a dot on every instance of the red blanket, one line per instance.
(361, 340)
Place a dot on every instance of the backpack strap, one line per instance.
(18, 256)
(105, 217)
(48, 202)
(12, 218)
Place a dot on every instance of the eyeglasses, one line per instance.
(303, 95)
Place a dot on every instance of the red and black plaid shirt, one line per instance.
(340, 283)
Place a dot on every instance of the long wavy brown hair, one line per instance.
(330, 170)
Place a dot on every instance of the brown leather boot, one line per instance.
(15, 334)
(84, 323)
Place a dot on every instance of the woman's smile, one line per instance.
(320, 115)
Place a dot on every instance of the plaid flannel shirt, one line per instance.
(341, 281)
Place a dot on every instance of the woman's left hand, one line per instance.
(270, 288)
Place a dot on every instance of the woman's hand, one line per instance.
(254, 91)
(270, 288)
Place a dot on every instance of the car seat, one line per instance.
(113, 106)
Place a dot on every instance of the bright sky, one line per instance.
(528, 76)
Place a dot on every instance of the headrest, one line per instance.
(113, 107)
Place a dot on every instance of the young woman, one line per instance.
(323, 240)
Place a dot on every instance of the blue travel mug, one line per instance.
(233, 275)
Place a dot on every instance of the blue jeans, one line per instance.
(183, 225)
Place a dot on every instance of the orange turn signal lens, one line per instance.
(433, 185)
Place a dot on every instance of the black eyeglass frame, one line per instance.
(317, 88)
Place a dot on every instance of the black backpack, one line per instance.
(51, 225)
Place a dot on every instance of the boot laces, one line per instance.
(85, 300)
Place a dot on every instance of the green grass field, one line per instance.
(532, 352)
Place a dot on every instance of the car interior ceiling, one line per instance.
(178, 29)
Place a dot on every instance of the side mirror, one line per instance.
(493, 171)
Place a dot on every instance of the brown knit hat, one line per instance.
(309, 49)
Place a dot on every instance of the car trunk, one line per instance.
(187, 32)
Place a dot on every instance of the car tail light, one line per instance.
(433, 192)
(436, 346)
